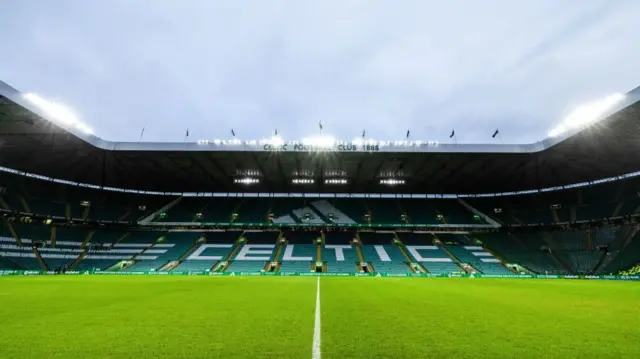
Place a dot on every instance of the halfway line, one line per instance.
(316, 328)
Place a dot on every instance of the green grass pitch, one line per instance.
(273, 317)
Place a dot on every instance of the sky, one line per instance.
(381, 66)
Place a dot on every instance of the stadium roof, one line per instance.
(33, 140)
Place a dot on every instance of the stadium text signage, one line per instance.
(343, 147)
(337, 146)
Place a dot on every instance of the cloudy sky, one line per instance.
(383, 66)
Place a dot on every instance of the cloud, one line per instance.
(255, 66)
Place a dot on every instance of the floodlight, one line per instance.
(246, 180)
(335, 181)
(303, 181)
(392, 181)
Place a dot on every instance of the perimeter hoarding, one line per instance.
(313, 274)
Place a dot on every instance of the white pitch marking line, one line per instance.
(316, 328)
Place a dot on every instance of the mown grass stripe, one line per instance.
(316, 353)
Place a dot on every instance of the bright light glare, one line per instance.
(58, 113)
(275, 141)
(586, 114)
(320, 141)
(557, 131)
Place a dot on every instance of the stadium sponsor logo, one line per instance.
(571, 277)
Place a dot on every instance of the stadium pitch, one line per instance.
(275, 317)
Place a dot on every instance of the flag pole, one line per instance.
(498, 134)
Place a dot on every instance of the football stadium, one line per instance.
(233, 248)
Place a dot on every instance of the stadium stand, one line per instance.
(580, 204)
(625, 255)
(527, 250)
(54, 199)
(383, 256)
(635, 270)
(339, 254)
(209, 251)
(300, 254)
(606, 250)
(480, 260)
(73, 202)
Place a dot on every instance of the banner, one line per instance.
(313, 274)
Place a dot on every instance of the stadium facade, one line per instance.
(564, 206)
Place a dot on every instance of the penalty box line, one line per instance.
(316, 353)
